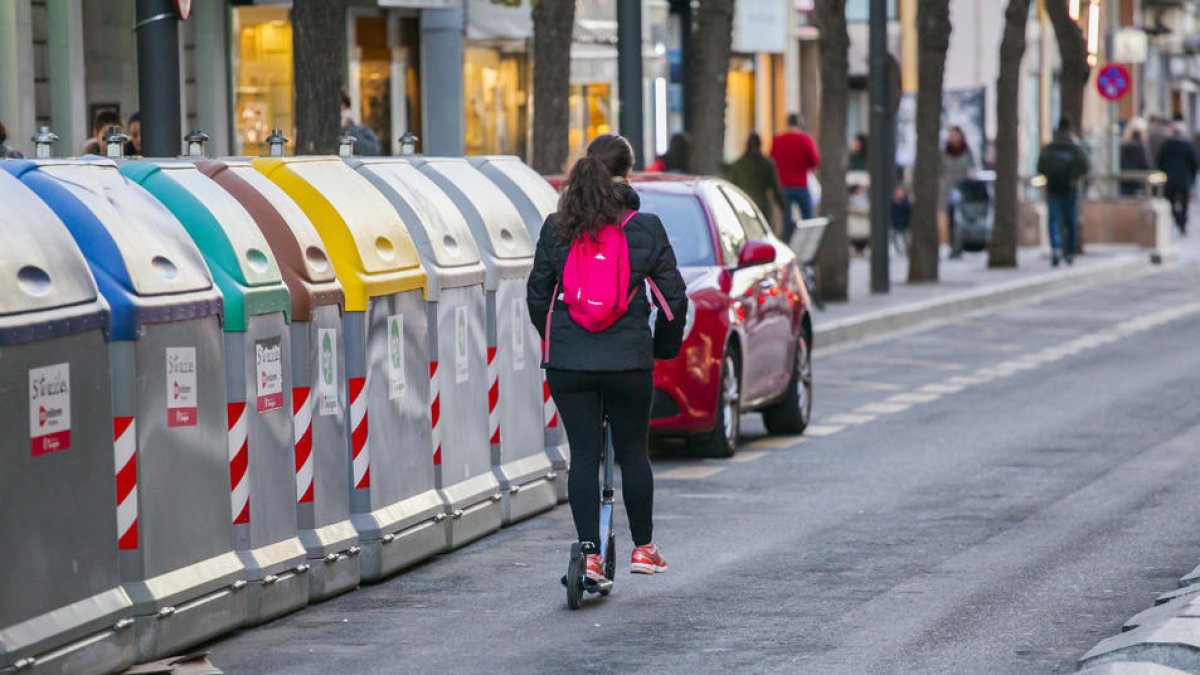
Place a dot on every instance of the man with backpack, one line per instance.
(1177, 158)
(1064, 164)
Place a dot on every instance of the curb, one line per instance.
(953, 305)
(1162, 639)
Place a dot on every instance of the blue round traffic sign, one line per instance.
(1113, 81)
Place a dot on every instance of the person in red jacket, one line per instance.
(795, 154)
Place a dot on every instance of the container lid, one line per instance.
(491, 215)
(142, 259)
(235, 249)
(429, 214)
(298, 249)
(518, 179)
(371, 250)
(41, 267)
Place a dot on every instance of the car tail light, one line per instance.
(690, 319)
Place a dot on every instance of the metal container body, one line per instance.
(322, 453)
(395, 507)
(258, 383)
(177, 558)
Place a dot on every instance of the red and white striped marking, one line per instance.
(239, 461)
(435, 412)
(549, 411)
(302, 409)
(125, 450)
(358, 435)
(493, 396)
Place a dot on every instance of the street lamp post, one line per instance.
(158, 77)
(881, 160)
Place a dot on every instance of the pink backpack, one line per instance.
(595, 281)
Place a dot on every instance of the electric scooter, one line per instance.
(576, 579)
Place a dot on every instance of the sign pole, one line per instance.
(1114, 144)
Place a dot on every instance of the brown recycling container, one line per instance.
(319, 374)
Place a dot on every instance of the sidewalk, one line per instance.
(967, 285)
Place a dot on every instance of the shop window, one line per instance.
(263, 76)
(495, 91)
(591, 114)
(374, 64)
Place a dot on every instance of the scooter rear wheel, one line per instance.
(575, 572)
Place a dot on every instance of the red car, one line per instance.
(748, 341)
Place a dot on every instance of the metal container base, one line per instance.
(102, 640)
(401, 534)
(333, 560)
(526, 487)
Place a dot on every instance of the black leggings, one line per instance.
(625, 397)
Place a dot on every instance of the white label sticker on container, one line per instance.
(268, 354)
(50, 409)
(461, 336)
(396, 356)
(518, 333)
(327, 389)
(181, 386)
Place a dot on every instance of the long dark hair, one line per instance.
(678, 157)
(590, 198)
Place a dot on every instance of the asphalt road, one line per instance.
(994, 494)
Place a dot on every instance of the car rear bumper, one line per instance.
(685, 393)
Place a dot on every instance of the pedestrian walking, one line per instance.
(795, 154)
(5, 151)
(958, 164)
(1063, 163)
(1134, 157)
(756, 175)
(102, 124)
(1177, 159)
(607, 373)
(133, 147)
(901, 218)
(857, 160)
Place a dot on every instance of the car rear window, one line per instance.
(686, 225)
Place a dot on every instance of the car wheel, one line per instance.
(792, 413)
(723, 440)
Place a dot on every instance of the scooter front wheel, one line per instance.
(575, 572)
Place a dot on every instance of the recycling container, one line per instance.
(61, 603)
(321, 443)
(175, 547)
(258, 381)
(527, 475)
(438, 227)
(535, 200)
(395, 506)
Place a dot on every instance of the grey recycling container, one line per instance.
(177, 560)
(258, 381)
(527, 477)
(469, 428)
(61, 600)
(400, 516)
(535, 200)
(319, 424)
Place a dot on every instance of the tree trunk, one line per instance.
(318, 58)
(713, 39)
(834, 257)
(933, 25)
(553, 23)
(1072, 49)
(1002, 251)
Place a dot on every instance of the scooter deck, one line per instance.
(593, 586)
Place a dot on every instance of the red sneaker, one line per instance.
(595, 568)
(647, 560)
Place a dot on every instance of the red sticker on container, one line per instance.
(49, 409)
(268, 355)
(181, 386)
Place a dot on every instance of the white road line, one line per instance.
(882, 408)
(941, 388)
(900, 361)
(777, 442)
(747, 456)
(690, 473)
(914, 397)
(860, 384)
(848, 419)
(822, 429)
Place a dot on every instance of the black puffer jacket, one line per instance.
(627, 344)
